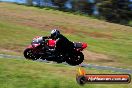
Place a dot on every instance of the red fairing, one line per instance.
(36, 37)
(30, 47)
(84, 45)
(51, 43)
(35, 45)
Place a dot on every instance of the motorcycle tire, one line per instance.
(28, 54)
(76, 59)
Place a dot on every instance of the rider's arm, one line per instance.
(57, 39)
(46, 37)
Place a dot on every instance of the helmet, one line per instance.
(55, 33)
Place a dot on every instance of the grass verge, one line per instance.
(16, 73)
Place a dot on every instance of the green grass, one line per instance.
(16, 73)
(19, 24)
(17, 37)
(130, 23)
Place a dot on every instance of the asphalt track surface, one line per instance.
(128, 71)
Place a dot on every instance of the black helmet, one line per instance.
(55, 33)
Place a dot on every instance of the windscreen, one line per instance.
(38, 40)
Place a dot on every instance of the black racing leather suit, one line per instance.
(63, 45)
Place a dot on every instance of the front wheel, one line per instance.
(28, 54)
(76, 59)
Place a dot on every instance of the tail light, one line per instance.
(84, 45)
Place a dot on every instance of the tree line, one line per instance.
(117, 11)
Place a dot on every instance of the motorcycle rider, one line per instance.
(63, 45)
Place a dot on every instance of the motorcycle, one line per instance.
(44, 48)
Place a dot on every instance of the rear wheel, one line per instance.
(28, 54)
(76, 59)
